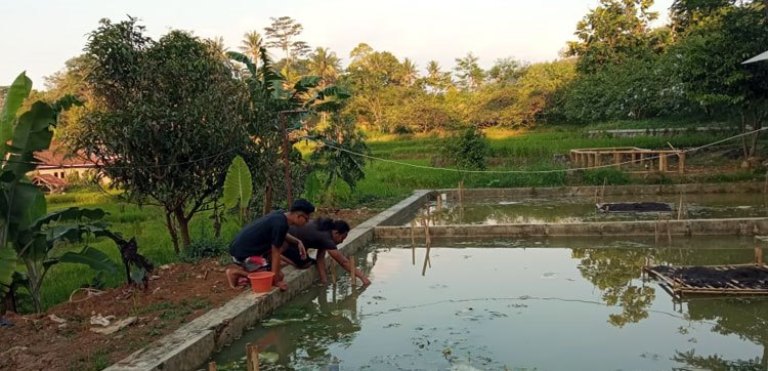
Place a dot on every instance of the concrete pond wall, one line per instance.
(189, 347)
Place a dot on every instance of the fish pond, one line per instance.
(534, 304)
(576, 209)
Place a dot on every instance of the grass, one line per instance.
(146, 223)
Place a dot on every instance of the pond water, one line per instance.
(555, 304)
(582, 209)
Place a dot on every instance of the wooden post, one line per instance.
(413, 242)
(681, 162)
(662, 162)
(669, 232)
(759, 255)
(617, 159)
(680, 206)
(428, 243)
(212, 366)
(252, 357)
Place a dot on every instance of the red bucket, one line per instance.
(261, 281)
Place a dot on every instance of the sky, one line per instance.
(40, 35)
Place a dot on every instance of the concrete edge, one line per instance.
(617, 190)
(191, 346)
(691, 227)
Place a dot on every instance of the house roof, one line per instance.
(49, 181)
(58, 156)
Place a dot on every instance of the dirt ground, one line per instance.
(61, 338)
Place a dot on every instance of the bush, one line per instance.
(205, 247)
(468, 150)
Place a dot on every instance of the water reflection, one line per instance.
(746, 318)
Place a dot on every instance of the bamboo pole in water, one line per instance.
(428, 243)
(669, 233)
(252, 357)
(413, 242)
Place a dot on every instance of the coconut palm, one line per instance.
(324, 63)
(252, 44)
(410, 74)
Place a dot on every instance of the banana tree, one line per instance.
(274, 101)
(27, 234)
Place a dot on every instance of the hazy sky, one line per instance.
(40, 35)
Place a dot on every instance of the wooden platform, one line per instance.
(712, 280)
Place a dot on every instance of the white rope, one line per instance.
(690, 150)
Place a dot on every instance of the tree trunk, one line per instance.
(183, 226)
(267, 198)
(172, 231)
(217, 220)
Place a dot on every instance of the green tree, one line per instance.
(168, 122)
(252, 45)
(505, 71)
(324, 63)
(282, 34)
(469, 74)
(611, 33)
(436, 80)
(709, 65)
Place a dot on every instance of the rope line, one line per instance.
(690, 150)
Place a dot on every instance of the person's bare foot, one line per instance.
(366, 281)
(231, 279)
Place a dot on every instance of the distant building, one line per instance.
(58, 166)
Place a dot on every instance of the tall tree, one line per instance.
(282, 34)
(505, 71)
(611, 33)
(324, 63)
(410, 74)
(437, 80)
(251, 45)
(469, 74)
(168, 119)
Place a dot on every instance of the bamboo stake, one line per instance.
(758, 255)
(351, 271)
(656, 230)
(413, 242)
(680, 207)
(602, 192)
(669, 233)
(212, 366)
(428, 243)
(252, 354)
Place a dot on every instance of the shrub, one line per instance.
(205, 247)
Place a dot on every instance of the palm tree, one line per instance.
(324, 63)
(409, 72)
(436, 79)
(252, 44)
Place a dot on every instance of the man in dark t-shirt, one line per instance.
(263, 240)
(322, 234)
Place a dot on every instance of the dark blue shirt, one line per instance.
(258, 237)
